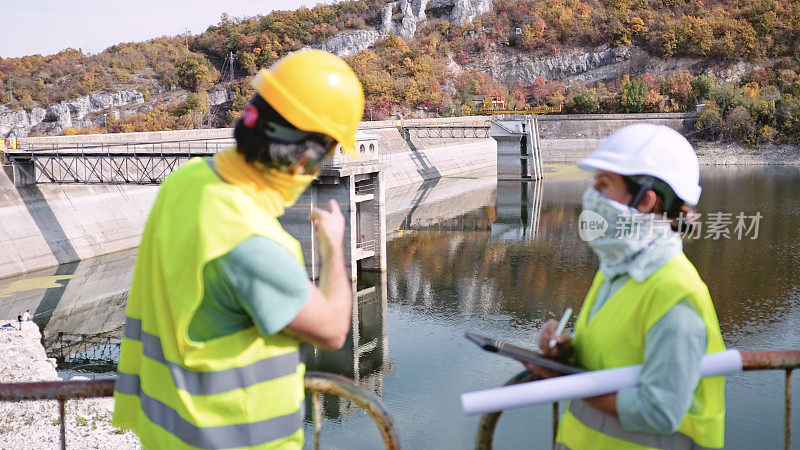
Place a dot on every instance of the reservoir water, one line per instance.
(468, 254)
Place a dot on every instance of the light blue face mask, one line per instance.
(618, 233)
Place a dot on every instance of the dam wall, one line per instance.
(569, 138)
(44, 225)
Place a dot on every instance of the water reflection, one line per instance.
(498, 259)
(365, 355)
(519, 209)
(507, 282)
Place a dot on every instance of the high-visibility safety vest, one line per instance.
(615, 337)
(239, 390)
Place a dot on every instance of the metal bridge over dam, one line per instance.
(523, 143)
(134, 161)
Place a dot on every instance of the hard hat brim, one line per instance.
(593, 165)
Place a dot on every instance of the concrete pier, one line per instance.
(357, 187)
(518, 149)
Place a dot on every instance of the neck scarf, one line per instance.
(636, 243)
(272, 189)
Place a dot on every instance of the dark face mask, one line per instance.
(291, 144)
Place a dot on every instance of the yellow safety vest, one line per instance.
(615, 337)
(240, 390)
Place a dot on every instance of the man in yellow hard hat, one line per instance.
(220, 300)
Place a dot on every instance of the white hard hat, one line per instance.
(654, 150)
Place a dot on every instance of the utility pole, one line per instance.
(186, 34)
(231, 58)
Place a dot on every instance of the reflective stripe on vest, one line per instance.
(209, 383)
(227, 436)
(611, 426)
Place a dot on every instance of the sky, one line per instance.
(48, 26)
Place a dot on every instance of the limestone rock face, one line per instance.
(36, 115)
(408, 26)
(349, 43)
(419, 7)
(105, 101)
(13, 119)
(219, 97)
(59, 113)
(387, 27)
(74, 113)
(413, 11)
(466, 10)
(566, 64)
(79, 107)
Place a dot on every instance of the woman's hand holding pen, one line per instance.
(562, 349)
(563, 341)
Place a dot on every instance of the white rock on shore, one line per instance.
(35, 424)
(722, 154)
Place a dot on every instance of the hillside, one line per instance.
(433, 57)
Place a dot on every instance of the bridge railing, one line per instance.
(786, 360)
(316, 383)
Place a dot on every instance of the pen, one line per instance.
(561, 324)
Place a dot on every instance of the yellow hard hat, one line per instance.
(315, 91)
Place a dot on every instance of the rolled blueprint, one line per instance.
(582, 385)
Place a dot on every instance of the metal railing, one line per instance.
(786, 360)
(316, 383)
(99, 168)
(470, 130)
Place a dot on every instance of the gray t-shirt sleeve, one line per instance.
(272, 284)
(674, 348)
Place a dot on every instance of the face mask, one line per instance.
(618, 233)
(289, 186)
(273, 189)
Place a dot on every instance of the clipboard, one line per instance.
(521, 354)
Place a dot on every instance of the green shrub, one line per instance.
(196, 73)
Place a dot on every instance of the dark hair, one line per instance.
(667, 202)
(256, 146)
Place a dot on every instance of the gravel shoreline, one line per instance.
(719, 153)
(35, 424)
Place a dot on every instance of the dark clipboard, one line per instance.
(521, 354)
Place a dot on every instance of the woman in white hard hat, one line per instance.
(647, 304)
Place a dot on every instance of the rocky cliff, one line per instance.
(74, 113)
(601, 63)
(82, 112)
(413, 12)
(349, 43)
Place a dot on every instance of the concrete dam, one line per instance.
(46, 224)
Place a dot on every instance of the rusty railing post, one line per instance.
(488, 422)
(316, 417)
(555, 422)
(787, 420)
(61, 424)
(332, 384)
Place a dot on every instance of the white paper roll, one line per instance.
(582, 385)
